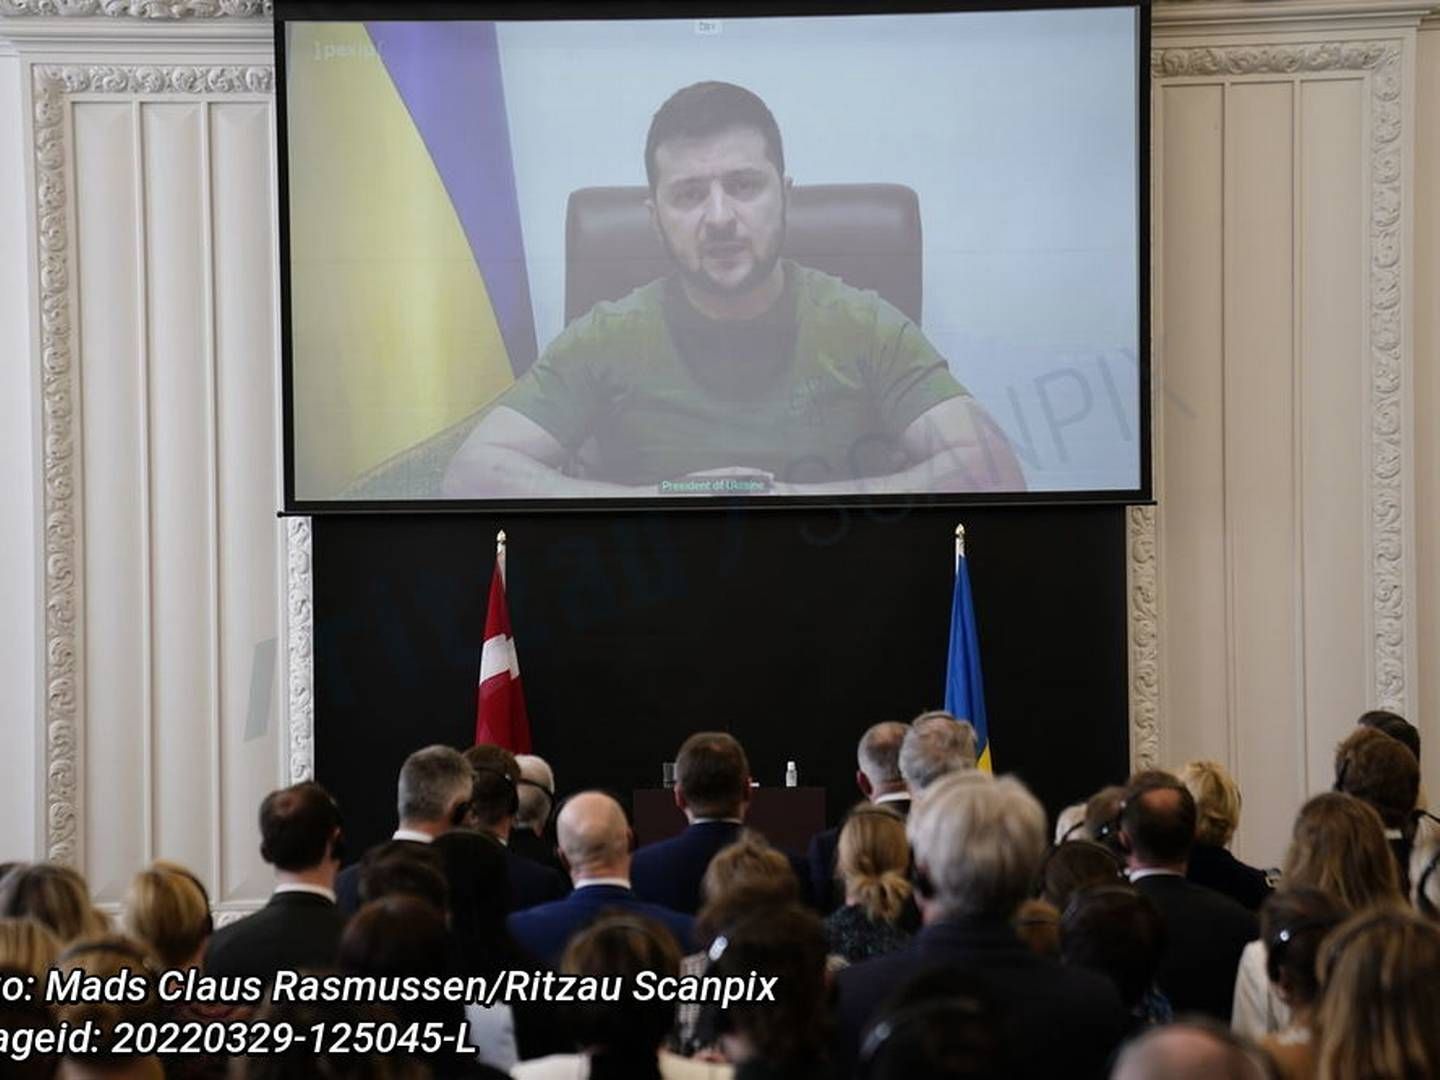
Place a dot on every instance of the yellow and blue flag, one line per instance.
(964, 686)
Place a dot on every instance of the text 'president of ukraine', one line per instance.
(740, 372)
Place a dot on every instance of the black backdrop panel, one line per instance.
(793, 630)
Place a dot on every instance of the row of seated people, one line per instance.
(961, 942)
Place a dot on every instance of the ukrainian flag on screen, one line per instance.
(410, 304)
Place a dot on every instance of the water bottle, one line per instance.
(792, 776)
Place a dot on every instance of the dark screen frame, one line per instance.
(287, 11)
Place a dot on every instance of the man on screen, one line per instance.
(739, 373)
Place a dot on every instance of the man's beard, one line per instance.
(700, 281)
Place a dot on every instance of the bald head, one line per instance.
(594, 836)
(1188, 1052)
(1158, 821)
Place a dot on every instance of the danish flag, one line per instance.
(500, 716)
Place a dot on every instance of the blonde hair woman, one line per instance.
(28, 946)
(54, 895)
(1379, 1013)
(166, 909)
(1338, 846)
(871, 861)
(1217, 816)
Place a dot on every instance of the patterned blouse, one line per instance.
(852, 934)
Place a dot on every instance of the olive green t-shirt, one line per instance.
(818, 389)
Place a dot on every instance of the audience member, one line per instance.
(1394, 725)
(1102, 817)
(301, 1061)
(28, 945)
(785, 1037)
(493, 806)
(1337, 846)
(300, 836)
(1037, 925)
(1193, 1050)
(1070, 824)
(744, 877)
(102, 958)
(1217, 816)
(1074, 865)
(55, 896)
(595, 843)
(1425, 867)
(977, 844)
(873, 861)
(940, 1025)
(400, 868)
(1205, 931)
(1293, 922)
(935, 745)
(712, 788)
(432, 797)
(27, 1018)
(1115, 930)
(534, 833)
(877, 775)
(1379, 1011)
(621, 1039)
(1382, 771)
(398, 936)
(168, 911)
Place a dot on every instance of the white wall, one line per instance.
(19, 489)
(154, 369)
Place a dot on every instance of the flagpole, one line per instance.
(500, 553)
(959, 545)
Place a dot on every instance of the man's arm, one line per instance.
(510, 456)
(955, 447)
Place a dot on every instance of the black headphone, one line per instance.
(512, 804)
(1422, 901)
(112, 943)
(956, 1007)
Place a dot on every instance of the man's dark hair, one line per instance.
(296, 824)
(1117, 931)
(1381, 771)
(495, 795)
(708, 108)
(403, 868)
(712, 773)
(1293, 923)
(1394, 725)
(1158, 816)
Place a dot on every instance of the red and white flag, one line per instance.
(500, 708)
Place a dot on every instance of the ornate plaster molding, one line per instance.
(1381, 60)
(142, 9)
(60, 391)
(299, 637)
(1142, 583)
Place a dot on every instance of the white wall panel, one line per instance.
(1189, 426)
(247, 439)
(115, 463)
(1332, 412)
(183, 614)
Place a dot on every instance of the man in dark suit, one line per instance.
(712, 789)
(432, 797)
(595, 842)
(494, 802)
(300, 927)
(1205, 931)
(978, 843)
(879, 780)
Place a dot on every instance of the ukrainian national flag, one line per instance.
(411, 304)
(964, 687)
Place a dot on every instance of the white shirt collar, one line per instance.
(707, 820)
(619, 882)
(1151, 871)
(302, 887)
(413, 836)
(1394, 834)
(891, 796)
